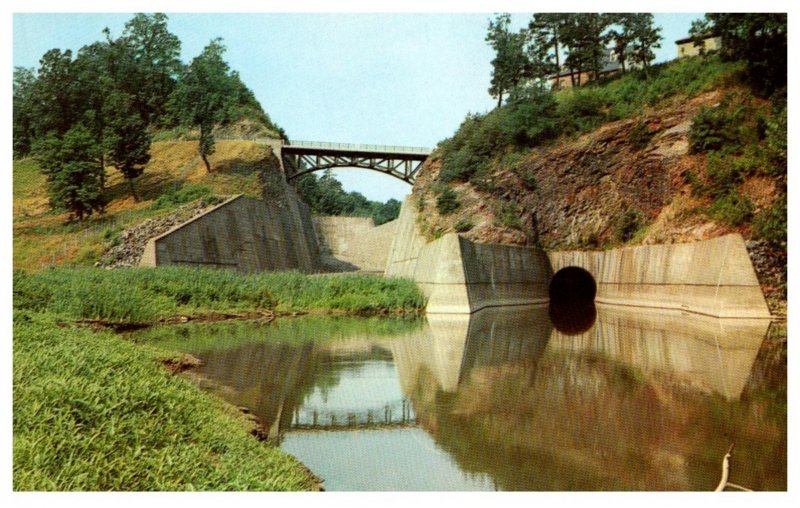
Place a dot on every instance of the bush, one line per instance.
(531, 117)
(627, 225)
(730, 125)
(580, 110)
(464, 225)
(447, 202)
(732, 208)
(770, 224)
(724, 174)
(184, 194)
(508, 215)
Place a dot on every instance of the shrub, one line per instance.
(723, 172)
(464, 225)
(531, 116)
(770, 224)
(732, 208)
(580, 110)
(730, 125)
(447, 202)
(627, 225)
(184, 194)
(508, 215)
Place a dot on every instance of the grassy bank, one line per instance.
(95, 412)
(145, 295)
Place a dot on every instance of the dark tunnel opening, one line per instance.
(572, 285)
(572, 292)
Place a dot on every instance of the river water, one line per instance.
(525, 398)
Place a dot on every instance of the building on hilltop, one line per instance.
(698, 45)
(611, 66)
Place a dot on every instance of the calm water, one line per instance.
(509, 399)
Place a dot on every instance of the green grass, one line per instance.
(142, 295)
(93, 412)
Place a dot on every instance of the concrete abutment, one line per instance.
(713, 277)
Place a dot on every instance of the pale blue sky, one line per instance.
(394, 79)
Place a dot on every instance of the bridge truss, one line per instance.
(302, 157)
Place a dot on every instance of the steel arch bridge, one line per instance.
(402, 162)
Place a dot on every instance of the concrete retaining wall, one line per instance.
(459, 276)
(714, 277)
(407, 243)
(243, 233)
(356, 240)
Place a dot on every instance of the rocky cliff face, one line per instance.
(628, 182)
(624, 182)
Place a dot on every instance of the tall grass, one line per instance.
(138, 295)
(95, 412)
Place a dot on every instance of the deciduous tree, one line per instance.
(125, 138)
(205, 94)
(72, 166)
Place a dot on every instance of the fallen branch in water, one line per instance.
(726, 469)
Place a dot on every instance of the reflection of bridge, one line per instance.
(392, 414)
(401, 162)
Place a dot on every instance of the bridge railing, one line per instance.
(362, 148)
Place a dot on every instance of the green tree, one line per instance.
(54, 96)
(151, 57)
(23, 120)
(387, 212)
(510, 64)
(757, 38)
(574, 39)
(125, 138)
(622, 36)
(545, 31)
(645, 38)
(204, 95)
(71, 164)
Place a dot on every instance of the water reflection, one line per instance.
(512, 399)
(572, 318)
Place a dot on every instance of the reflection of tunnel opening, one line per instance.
(572, 285)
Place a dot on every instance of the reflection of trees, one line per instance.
(271, 370)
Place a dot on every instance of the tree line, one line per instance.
(326, 196)
(575, 43)
(78, 114)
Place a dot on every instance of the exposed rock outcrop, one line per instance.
(131, 242)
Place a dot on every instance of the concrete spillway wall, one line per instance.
(713, 277)
(356, 241)
(242, 233)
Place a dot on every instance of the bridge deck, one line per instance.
(352, 148)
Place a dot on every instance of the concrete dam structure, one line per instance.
(253, 235)
(242, 233)
(713, 277)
